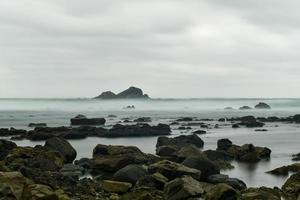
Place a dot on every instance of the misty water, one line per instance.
(282, 139)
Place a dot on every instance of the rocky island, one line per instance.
(130, 93)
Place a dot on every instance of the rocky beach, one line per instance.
(142, 154)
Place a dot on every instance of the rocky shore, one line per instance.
(180, 169)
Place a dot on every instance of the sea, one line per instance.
(282, 138)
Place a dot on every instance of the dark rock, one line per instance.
(206, 166)
(184, 128)
(262, 105)
(222, 191)
(180, 141)
(235, 126)
(291, 187)
(72, 170)
(142, 119)
(155, 180)
(4, 132)
(228, 108)
(185, 119)
(37, 125)
(63, 147)
(111, 158)
(245, 108)
(233, 182)
(296, 118)
(183, 188)
(130, 93)
(261, 130)
(137, 130)
(262, 193)
(115, 186)
(83, 120)
(5, 148)
(200, 132)
(215, 155)
(173, 170)
(296, 157)
(284, 170)
(112, 116)
(224, 144)
(130, 173)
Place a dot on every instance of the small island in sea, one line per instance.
(130, 93)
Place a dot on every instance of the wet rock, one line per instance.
(37, 157)
(296, 118)
(291, 187)
(285, 170)
(185, 119)
(37, 125)
(180, 141)
(262, 193)
(72, 170)
(235, 126)
(200, 132)
(130, 173)
(233, 182)
(155, 180)
(250, 122)
(296, 157)
(4, 132)
(245, 108)
(111, 158)
(116, 186)
(5, 148)
(183, 188)
(83, 120)
(262, 105)
(173, 170)
(137, 130)
(112, 116)
(224, 144)
(261, 130)
(206, 166)
(222, 192)
(220, 158)
(143, 193)
(63, 147)
(143, 119)
(39, 192)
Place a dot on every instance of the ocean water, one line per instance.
(282, 138)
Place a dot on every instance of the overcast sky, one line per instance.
(169, 48)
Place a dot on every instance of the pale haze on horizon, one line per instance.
(169, 48)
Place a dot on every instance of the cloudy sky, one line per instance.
(170, 48)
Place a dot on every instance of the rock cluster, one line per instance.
(130, 93)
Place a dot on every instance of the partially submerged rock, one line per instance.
(262, 105)
(83, 120)
(37, 125)
(285, 170)
(245, 108)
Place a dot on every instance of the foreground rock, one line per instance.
(296, 157)
(262, 193)
(111, 158)
(183, 188)
(63, 147)
(285, 170)
(244, 153)
(80, 120)
(130, 93)
(233, 182)
(130, 173)
(291, 188)
(262, 105)
(116, 186)
(5, 148)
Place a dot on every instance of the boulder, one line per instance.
(199, 132)
(63, 147)
(83, 120)
(285, 170)
(116, 186)
(155, 180)
(180, 141)
(291, 187)
(245, 108)
(262, 193)
(5, 147)
(224, 144)
(72, 170)
(222, 191)
(111, 158)
(37, 125)
(143, 193)
(206, 166)
(183, 188)
(262, 105)
(173, 170)
(233, 182)
(296, 118)
(296, 157)
(130, 173)
(142, 119)
(39, 192)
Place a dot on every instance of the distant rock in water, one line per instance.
(262, 105)
(245, 108)
(83, 120)
(130, 93)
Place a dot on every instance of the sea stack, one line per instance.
(130, 93)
